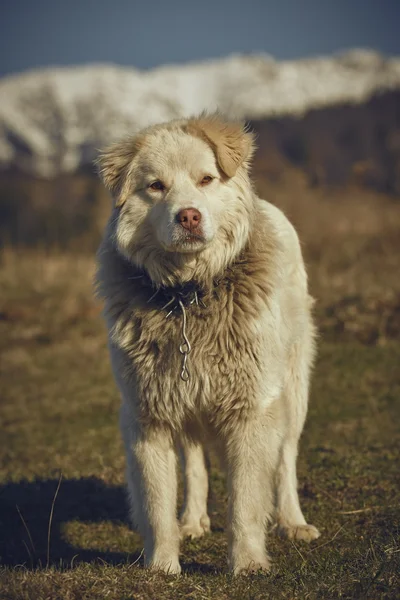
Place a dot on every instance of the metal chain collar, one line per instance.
(185, 347)
(177, 300)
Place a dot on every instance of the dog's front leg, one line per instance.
(252, 453)
(154, 463)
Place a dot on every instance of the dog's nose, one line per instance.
(189, 218)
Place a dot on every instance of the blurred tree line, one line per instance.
(335, 146)
(357, 145)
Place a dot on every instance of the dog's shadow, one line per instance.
(25, 510)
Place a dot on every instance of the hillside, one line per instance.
(52, 121)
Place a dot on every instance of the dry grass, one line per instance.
(59, 407)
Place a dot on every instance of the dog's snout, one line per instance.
(189, 218)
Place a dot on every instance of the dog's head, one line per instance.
(182, 194)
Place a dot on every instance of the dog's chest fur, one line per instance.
(229, 327)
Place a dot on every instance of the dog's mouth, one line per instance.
(175, 238)
(189, 242)
(192, 238)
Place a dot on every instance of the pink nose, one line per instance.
(189, 218)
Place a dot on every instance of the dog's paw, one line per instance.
(171, 567)
(306, 533)
(249, 568)
(195, 528)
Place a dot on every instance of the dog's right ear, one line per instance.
(114, 165)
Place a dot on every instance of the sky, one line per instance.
(148, 33)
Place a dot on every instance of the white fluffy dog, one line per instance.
(210, 334)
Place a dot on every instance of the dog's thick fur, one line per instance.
(251, 337)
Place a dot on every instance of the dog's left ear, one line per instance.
(233, 146)
(114, 167)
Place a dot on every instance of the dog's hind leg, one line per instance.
(289, 517)
(194, 521)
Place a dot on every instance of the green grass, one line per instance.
(59, 415)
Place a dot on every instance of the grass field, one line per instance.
(63, 518)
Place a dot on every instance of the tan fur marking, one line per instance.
(231, 144)
(114, 163)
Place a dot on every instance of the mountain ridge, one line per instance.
(52, 121)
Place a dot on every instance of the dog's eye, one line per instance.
(206, 180)
(157, 186)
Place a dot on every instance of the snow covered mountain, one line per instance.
(54, 120)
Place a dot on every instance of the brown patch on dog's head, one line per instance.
(231, 144)
(114, 167)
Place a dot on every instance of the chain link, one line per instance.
(185, 348)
